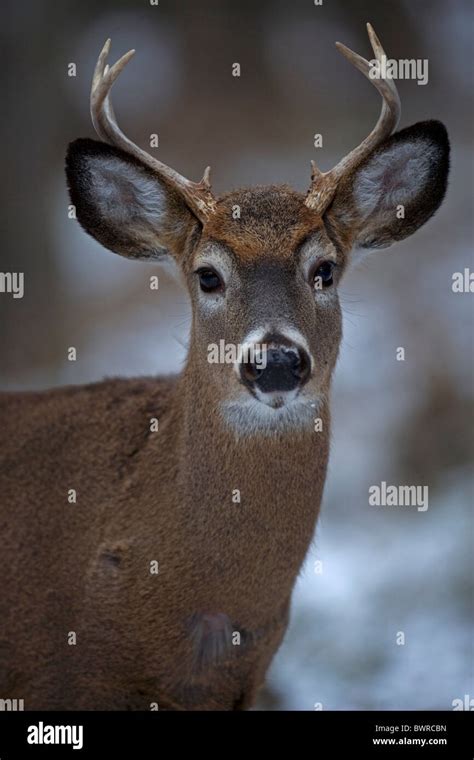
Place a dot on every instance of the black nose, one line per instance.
(279, 368)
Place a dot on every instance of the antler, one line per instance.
(324, 184)
(197, 194)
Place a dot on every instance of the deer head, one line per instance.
(262, 265)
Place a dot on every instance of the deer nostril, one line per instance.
(300, 364)
(284, 369)
(294, 360)
(250, 371)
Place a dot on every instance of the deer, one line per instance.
(168, 583)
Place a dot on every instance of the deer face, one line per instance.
(262, 265)
(263, 282)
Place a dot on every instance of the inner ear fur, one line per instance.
(398, 187)
(122, 204)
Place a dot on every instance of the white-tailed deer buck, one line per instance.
(174, 570)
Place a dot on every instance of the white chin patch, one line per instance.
(274, 413)
(276, 399)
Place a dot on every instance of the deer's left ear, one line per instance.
(395, 190)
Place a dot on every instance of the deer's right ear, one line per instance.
(123, 204)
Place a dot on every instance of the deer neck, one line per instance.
(252, 501)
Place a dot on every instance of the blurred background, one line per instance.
(380, 570)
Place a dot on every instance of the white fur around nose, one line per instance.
(247, 416)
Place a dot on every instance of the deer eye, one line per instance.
(323, 274)
(209, 280)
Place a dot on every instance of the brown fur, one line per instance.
(147, 496)
(273, 222)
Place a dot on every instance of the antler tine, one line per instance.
(324, 185)
(99, 73)
(197, 194)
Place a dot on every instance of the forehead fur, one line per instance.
(273, 221)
